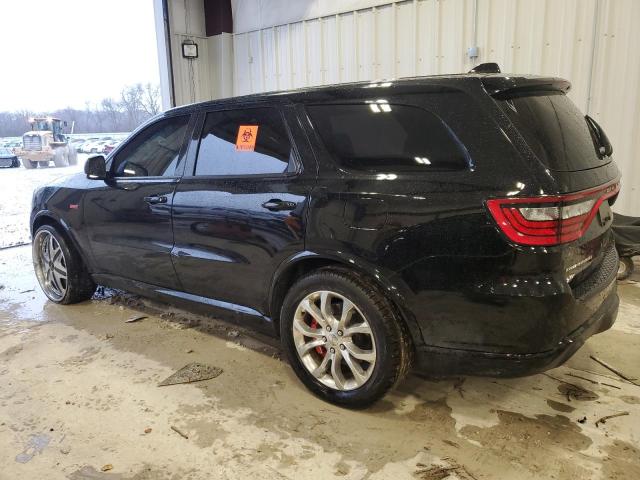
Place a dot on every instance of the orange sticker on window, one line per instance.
(247, 135)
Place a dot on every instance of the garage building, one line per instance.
(250, 46)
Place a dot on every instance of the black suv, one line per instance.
(459, 223)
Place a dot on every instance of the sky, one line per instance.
(64, 53)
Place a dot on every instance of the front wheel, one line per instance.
(625, 268)
(60, 158)
(343, 338)
(59, 269)
(72, 156)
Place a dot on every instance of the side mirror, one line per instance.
(96, 168)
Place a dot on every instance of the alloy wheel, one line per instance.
(50, 265)
(334, 340)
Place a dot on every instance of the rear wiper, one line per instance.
(600, 139)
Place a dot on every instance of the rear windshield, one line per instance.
(555, 129)
(387, 137)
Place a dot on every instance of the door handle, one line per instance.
(155, 199)
(277, 205)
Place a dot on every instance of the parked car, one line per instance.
(109, 146)
(76, 143)
(8, 158)
(12, 145)
(88, 145)
(457, 224)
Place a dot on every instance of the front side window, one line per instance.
(251, 141)
(154, 152)
(380, 136)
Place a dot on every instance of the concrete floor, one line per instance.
(78, 391)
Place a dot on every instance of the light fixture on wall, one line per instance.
(189, 49)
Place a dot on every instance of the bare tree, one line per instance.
(136, 104)
(112, 111)
(131, 101)
(151, 99)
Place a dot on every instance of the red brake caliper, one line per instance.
(320, 349)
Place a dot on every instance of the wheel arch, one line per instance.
(290, 270)
(48, 218)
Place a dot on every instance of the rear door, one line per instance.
(240, 208)
(129, 219)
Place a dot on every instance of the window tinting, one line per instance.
(155, 151)
(555, 129)
(387, 137)
(231, 144)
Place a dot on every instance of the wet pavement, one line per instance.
(79, 394)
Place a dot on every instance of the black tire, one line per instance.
(393, 346)
(60, 158)
(625, 269)
(72, 156)
(79, 286)
(28, 164)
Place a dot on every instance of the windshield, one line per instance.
(4, 151)
(554, 129)
(41, 125)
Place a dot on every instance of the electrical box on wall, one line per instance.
(190, 50)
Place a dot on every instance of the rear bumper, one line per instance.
(451, 361)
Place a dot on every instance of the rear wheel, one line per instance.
(28, 164)
(343, 338)
(59, 268)
(625, 268)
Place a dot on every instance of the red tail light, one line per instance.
(549, 220)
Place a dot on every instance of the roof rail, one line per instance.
(486, 68)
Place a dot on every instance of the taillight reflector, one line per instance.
(549, 220)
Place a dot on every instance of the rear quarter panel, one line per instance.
(430, 235)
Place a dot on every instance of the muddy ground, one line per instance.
(79, 394)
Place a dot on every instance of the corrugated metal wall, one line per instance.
(590, 42)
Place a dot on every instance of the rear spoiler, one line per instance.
(510, 86)
(504, 87)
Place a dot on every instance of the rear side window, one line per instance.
(154, 152)
(251, 141)
(554, 129)
(388, 137)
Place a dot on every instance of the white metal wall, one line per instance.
(590, 42)
(210, 75)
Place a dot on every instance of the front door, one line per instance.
(241, 211)
(129, 219)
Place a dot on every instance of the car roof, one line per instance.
(432, 83)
